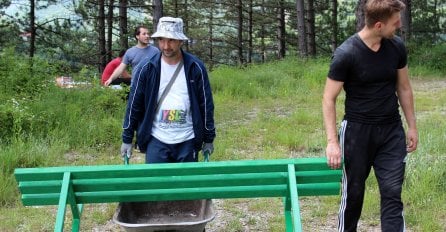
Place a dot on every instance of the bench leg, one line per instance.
(288, 216)
(67, 196)
(76, 217)
(295, 223)
(63, 200)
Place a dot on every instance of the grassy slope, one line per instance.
(262, 112)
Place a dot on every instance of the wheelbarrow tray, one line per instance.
(184, 216)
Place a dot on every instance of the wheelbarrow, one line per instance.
(181, 216)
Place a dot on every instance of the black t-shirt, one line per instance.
(369, 79)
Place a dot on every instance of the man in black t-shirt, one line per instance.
(371, 67)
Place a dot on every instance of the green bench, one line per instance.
(78, 185)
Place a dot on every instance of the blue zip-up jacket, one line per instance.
(143, 99)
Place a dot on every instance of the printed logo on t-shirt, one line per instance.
(172, 118)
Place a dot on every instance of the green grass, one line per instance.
(265, 111)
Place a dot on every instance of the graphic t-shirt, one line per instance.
(173, 121)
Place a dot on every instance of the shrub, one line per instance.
(433, 58)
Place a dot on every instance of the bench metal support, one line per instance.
(297, 226)
(67, 197)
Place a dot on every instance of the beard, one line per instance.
(169, 53)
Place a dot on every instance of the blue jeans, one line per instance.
(159, 152)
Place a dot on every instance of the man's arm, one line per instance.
(405, 97)
(333, 150)
(118, 71)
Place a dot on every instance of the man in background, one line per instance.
(135, 54)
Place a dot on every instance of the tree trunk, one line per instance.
(281, 30)
(301, 28)
(186, 24)
(334, 25)
(250, 31)
(359, 12)
(406, 21)
(239, 7)
(262, 35)
(311, 35)
(110, 31)
(32, 26)
(211, 39)
(101, 36)
(157, 13)
(123, 31)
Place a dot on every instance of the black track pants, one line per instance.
(382, 147)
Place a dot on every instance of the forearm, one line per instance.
(407, 105)
(329, 115)
(405, 97)
(118, 71)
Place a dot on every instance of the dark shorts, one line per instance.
(159, 152)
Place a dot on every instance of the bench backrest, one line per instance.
(178, 181)
(77, 185)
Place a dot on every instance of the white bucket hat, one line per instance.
(171, 28)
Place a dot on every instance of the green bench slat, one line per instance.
(157, 182)
(161, 194)
(178, 182)
(186, 193)
(318, 176)
(203, 168)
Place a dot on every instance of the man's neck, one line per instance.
(172, 60)
(142, 45)
(370, 38)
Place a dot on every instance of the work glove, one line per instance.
(208, 148)
(126, 149)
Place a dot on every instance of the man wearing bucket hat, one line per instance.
(171, 99)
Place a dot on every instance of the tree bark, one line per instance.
(334, 24)
(211, 39)
(186, 24)
(123, 30)
(303, 52)
(359, 12)
(157, 13)
(281, 30)
(101, 36)
(250, 31)
(239, 7)
(262, 35)
(406, 21)
(109, 41)
(309, 24)
(32, 26)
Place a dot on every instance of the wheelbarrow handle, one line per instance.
(206, 156)
(126, 159)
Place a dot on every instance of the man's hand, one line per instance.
(412, 140)
(333, 153)
(126, 150)
(208, 148)
(108, 82)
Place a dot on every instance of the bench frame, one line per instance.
(78, 185)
